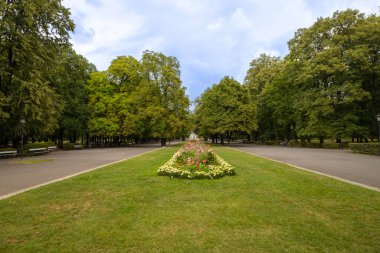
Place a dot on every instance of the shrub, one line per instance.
(327, 145)
(37, 145)
(365, 148)
(68, 145)
(7, 149)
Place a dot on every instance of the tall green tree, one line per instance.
(125, 73)
(166, 109)
(70, 79)
(100, 93)
(263, 72)
(225, 109)
(330, 59)
(32, 35)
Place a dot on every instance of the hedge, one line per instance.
(7, 149)
(37, 145)
(68, 145)
(317, 145)
(365, 148)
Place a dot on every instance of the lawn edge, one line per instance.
(312, 171)
(72, 175)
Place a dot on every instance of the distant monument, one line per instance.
(193, 136)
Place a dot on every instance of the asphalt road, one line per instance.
(16, 177)
(358, 168)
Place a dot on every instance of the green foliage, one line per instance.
(329, 57)
(32, 35)
(166, 111)
(68, 145)
(225, 108)
(73, 73)
(37, 145)
(327, 86)
(365, 148)
(139, 99)
(7, 149)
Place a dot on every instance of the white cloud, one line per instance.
(210, 38)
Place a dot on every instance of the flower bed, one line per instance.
(196, 160)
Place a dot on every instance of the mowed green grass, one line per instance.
(266, 207)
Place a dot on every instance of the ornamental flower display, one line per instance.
(195, 160)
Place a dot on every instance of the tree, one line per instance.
(330, 61)
(125, 73)
(100, 91)
(262, 73)
(224, 109)
(70, 79)
(32, 35)
(166, 106)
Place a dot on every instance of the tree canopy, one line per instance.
(140, 99)
(224, 109)
(33, 34)
(328, 84)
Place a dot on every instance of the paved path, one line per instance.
(16, 177)
(358, 168)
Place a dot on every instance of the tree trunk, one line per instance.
(87, 140)
(60, 138)
(222, 139)
(321, 139)
(163, 142)
(339, 141)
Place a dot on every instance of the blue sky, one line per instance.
(210, 38)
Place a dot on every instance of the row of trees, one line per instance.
(62, 96)
(326, 87)
(139, 99)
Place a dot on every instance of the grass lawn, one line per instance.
(125, 207)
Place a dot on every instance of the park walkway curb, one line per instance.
(312, 171)
(72, 175)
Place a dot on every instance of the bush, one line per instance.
(37, 145)
(327, 145)
(272, 143)
(68, 145)
(7, 149)
(365, 148)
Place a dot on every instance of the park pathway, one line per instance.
(357, 168)
(16, 178)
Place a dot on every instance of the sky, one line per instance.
(210, 38)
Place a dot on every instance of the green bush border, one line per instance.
(37, 145)
(7, 149)
(365, 148)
